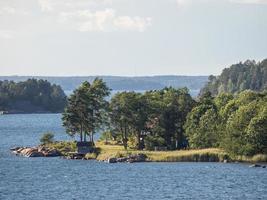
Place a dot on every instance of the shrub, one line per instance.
(152, 141)
(47, 138)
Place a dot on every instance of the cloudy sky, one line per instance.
(129, 37)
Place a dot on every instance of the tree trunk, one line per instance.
(125, 139)
(139, 140)
(92, 138)
(81, 133)
(84, 137)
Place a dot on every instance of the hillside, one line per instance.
(194, 83)
(238, 77)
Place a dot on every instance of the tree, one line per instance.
(122, 114)
(168, 109)
(31, 96)
(47, 138)
(202, 122)
(85, 112)
(239, 77)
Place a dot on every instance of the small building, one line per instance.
(85, 147)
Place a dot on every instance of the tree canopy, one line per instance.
(86, 109)
(31, 96)
(237, 124)
(248, 75)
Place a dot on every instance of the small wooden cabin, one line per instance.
(84, 147)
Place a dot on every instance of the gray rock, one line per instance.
(112, 160)
(255, 165)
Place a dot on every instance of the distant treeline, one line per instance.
(124, 83)
(239, 77)
(31, 96)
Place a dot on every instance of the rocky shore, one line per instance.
(39, 151)
(128, 159)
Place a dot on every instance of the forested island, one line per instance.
(31, 96)
(168, 124)
(248, 75)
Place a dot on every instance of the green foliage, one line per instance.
(31, 96)
(153, 141)
(64, 147)
(106, 136)
(47, 138)
(86, 109)
(238, 124)
(239, 77)
(246, 128)
(202, 124)
(160, 113)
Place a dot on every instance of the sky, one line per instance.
(129, 37)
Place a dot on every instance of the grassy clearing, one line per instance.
(203, 155)
(63, 146)
(195, 155)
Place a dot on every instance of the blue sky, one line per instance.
(129, 37)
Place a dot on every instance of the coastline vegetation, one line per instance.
(248, 75)
(164, 124)
(106, 151)
(31, 96)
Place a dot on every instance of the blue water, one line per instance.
(56, 178)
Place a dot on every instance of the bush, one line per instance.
(47, 138)
(152, 141)
(106, 137)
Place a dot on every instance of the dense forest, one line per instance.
(170, 119)
(239, 77)
(31, 96)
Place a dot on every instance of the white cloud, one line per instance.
(46, 5)
(7, 34)
(103, 20)
(249, 1)
(85, 20)
(132, 23)
(7, 10)
(91, 15)
(51, 5)
(188, 2)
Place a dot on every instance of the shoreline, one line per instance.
(116, 154)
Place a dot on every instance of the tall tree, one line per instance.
(85, 112)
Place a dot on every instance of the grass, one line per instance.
(259, 158)
(105, 151)
(203, 155)
(63, 146)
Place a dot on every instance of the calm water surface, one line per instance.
(56, 178)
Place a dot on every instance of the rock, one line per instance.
(124, 159)
(129, 159)
(263, 166)
(112, 160)
(225, 161)
(35, 151)
(137, 158)
(35, 154)
(51, 153)
(14, 148)
(255, 165)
